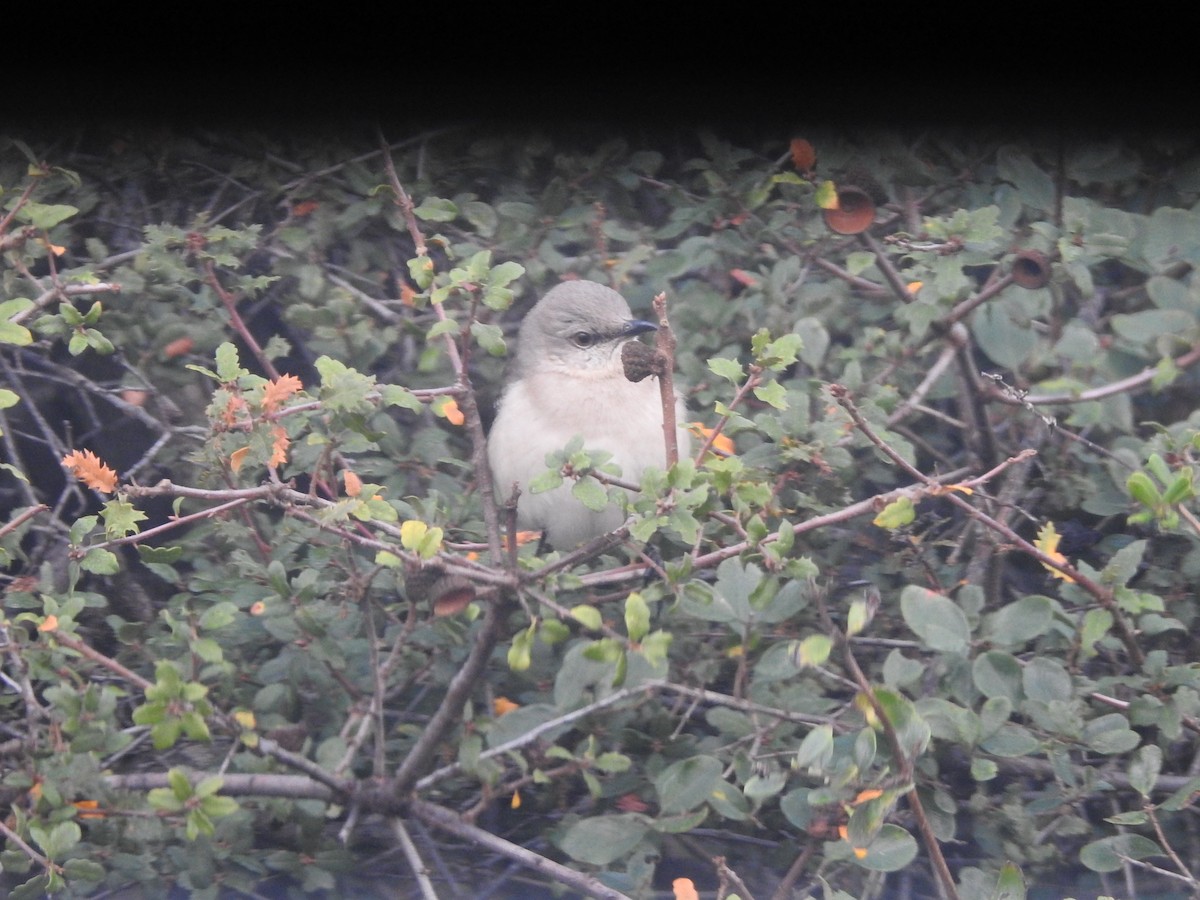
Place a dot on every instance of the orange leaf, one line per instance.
(915, 286)
(50, 623)
(237, 457)
(178, 347)
(743, 277)
(406, 295)
(279, 446)
(502, 705)
(631, 803)
(804, 155)
(722, 444)
(516, 800)
(257, 608)
(236, 404)
(353, 483)
(276, 392)
(452, 413)
(684, 889)
(304, 207)
(134, 397)
(87, 467)
(88, 809)
(869, 794)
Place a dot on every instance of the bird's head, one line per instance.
(578, 326)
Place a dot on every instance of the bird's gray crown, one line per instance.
(578, 323)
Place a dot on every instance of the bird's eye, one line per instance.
(583, 339)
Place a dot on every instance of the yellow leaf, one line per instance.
(245, 718)
(516, 800)
(353, 483)
(1047, 541)
(826, 195)
(237, 457)
(684, 889)
(914, 286)
(940, 489)
(411, 533)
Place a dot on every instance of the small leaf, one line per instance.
(588, 616)
(897, 514)
(590, 493)
(813, 651)
(637, 617)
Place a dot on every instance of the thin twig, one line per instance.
(665, 345)
(442, 818)
(419, 869)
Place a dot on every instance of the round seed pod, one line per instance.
(1031, 270)
(451, 594)
(854, 213)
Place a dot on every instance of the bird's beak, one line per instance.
(634, 327)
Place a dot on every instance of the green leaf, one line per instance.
(1096, 624)
(816, 750)
(1110, 734)
(121, 518)
(435, 209)
(729, 369)
(1011, 883)
(520, 654)
(46, 215)
(590, 493)
(601, 840)
(937, 620)
(17, 335)
(1046, 680)
(1109, 854)
(545, 481)
(489, 337)
(891, 850)
(637, 617)
(588, 616)
(59, 840)
(1142, 488)
(229, 368)
(100, 562)
(1020, 621)
(897, 514)
(687, 783)
(813, 651)
(772, 393)
(1144, 769)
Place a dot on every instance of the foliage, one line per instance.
(920, 606)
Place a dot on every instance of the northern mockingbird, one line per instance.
(567, 380)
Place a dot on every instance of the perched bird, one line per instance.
(567, 380)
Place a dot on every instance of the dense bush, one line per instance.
(922, 618)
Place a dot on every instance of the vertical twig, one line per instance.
(239, 324)
(665, 345)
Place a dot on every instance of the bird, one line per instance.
(567, 381)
